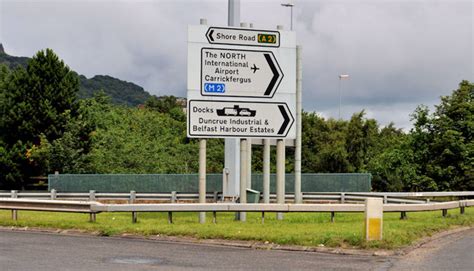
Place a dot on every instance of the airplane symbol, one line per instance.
(254, 68)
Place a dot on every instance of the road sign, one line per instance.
(241, 83)
(239, 73)
(239, 119)
(243, 37)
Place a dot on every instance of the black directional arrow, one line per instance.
(286, 119)
(210, 35)
(276, 75)
(262, 72)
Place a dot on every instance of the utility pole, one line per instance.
(341, 77)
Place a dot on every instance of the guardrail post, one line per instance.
(92, 216)
(216, 196)
(385, 199)
(174, 197)
(170, 217)
(214, 217)
(91, 195)
(332, 217)
(14, 195)
(403, 215)
(343, 197)
(133, 197)
(263, 217)
(445, 212)
(462, 205)
(373, 219)
(53, 194)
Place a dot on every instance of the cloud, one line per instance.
(398, 53)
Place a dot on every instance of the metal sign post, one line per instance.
(232, 145)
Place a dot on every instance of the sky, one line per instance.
(398, 53)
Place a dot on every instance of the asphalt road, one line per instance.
(453, 252)
(46, 251)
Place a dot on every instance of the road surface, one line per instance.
(453, 252)
(49, 251)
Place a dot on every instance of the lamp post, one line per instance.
(341, 77)
(290, 5)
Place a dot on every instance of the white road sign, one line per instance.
(239, 73)
(244, 37)
(241, 83)
(239, 119)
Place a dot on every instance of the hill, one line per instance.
(121, 92)
(12, 61)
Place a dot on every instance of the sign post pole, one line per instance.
(266, 171)
(299, 77)
(280, 168)
(202, 167)
(232, 145)
(280, 172)
(202, 178)
(243, 176)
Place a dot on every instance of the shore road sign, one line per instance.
(244, 37)
(244, 73)
(238, 119)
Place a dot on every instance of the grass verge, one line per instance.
(305, 229)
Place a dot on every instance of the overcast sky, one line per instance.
(398, 53)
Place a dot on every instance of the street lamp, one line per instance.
(341, 77)
(290, 5)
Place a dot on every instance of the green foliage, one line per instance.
(69, 153)
(163, 104)
(38, 100)
(443, 141)
(133, 140)
(38, 105)
(361, 138)
(323, 146)
(393, 169)
(12, 62)
(121, 92)
(338, 146)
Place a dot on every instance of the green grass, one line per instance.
(307, 229)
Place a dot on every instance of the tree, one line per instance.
(442, 142)
(163, 104)
(360, 140)
(452, 148)
(70, 152)
(37, 103)
(393, 168)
